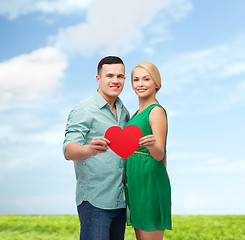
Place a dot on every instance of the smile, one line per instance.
(141, 90)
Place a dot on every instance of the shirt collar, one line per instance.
(102, 102)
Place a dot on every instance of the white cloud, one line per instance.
(13, 9)
(110, 26)
(219, 167)
(237, 96)
(234, 68)
(113, 27)
(208, 164)
(175, 156)
(209, 65)
(210, 201)
(23, 149)
(45, 203)
(30, 76)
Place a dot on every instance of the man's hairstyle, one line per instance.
(108, 60)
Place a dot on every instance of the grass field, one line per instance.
(66, 227)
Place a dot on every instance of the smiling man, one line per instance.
(99, 172)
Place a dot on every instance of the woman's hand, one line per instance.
(147, 141)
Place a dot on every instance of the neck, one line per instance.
(144, 103)
(110, 100)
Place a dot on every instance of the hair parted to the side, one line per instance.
(109, 60)
(153, 71)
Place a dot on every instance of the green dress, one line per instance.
(148, 190)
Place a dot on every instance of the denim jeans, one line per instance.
(100, 224)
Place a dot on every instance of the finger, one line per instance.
(147, 137)
(149, 140)
(100, 151)
(100, 142)
(147, 143)
(100, 148)
(107, 141)
(101, 138)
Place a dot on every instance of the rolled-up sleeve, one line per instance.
(78, 125)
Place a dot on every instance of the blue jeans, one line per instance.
(100, 224)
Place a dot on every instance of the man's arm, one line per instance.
(77, 152)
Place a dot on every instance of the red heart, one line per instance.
(124, 141)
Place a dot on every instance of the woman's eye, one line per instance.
(135, 80)
(147, 79)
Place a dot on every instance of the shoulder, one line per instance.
(158, 110)
(157, 114)
(81, 107)
(124, 109)
(84, 104)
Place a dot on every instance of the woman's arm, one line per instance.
(156, 142)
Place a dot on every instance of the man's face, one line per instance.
(111, 81)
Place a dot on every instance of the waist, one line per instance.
(141, 153)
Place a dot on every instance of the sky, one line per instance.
(49, 51)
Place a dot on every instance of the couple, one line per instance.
(104, 180)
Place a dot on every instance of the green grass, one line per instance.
(185, 227)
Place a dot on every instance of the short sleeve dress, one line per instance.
(148, 190)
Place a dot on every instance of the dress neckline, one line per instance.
(137, 114)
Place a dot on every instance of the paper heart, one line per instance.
(124, 141)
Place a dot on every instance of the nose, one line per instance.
(140, 83)
(115, 80)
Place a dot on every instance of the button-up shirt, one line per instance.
(100, 178)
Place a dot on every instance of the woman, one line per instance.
(148, 188)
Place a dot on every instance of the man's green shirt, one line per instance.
(100, 178)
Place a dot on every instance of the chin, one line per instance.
(114, 94)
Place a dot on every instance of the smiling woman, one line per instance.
(148, 189)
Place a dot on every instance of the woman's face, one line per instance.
(143, 84)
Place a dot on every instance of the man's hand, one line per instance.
(98, 145)
(77, 152)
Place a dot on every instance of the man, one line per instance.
(99, 172)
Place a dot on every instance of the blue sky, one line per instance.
(49, 52)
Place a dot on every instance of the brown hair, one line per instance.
(109, 60)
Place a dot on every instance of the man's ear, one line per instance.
(97, 78)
